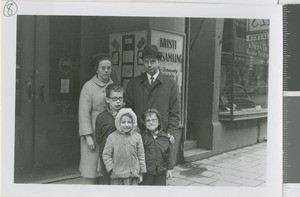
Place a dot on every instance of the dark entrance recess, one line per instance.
(47, 92)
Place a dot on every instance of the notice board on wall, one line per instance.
(125, 50)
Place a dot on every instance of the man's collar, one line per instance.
(161, 77)
(144, 77)
(154, 76)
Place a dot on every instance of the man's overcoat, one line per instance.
(162, 95)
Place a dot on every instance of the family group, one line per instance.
(127, 135)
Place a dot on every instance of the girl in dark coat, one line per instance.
(158, 150)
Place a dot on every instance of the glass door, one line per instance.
(47, 91)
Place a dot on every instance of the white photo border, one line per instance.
(274, 145)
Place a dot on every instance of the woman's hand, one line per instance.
(141, 178)
(90, 142)
(169, 174)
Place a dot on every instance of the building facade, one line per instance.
(220, 65)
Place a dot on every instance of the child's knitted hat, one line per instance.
(121, 113)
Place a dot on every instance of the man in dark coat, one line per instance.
(154, 90)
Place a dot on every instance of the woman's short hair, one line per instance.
(98, 58)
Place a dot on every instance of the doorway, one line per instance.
(47, 92)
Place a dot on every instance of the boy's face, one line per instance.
(151, 121)
(115, 100)
(126, 124)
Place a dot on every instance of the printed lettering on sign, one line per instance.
(257, 37)
(257, 50)
(171, 47)
(258, 24)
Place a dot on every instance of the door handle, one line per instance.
(29, 91)
(42, 92)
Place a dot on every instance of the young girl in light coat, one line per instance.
(123, 154)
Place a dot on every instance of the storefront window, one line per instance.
(244, 72)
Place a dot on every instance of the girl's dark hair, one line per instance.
(152, 111)
(113, 87)
(98, 58)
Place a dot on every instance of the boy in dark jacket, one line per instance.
(105, 122)
(158, 150)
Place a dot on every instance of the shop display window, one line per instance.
(244, 75)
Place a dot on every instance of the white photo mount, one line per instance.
(274, 147)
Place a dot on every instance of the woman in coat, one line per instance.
(91, 103)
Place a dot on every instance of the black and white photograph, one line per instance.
(147, 101)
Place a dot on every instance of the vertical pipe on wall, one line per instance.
(186, 73)
(233, 67)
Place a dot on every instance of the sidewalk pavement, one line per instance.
(245, 167)
(241, 167)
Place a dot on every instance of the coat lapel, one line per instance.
(151, 90)
(147, 85)
(158, 80)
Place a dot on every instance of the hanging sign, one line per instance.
(257, 37)
(257, 50)
(171, 47)
(258, 24)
